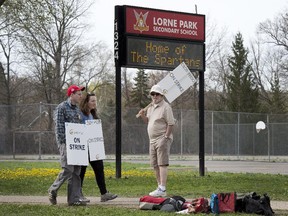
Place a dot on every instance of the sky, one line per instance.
(233, 15)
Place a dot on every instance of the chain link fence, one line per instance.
(29, 130)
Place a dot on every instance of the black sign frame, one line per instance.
(162, 54)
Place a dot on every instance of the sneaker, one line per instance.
(158, 193)
(84, 199)
(52, 197)
(108, 196)
(78, 203)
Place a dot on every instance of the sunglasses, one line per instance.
(153, 93)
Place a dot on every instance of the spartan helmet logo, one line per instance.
(141, 21)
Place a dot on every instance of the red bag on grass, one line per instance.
(150, 203)
(199, 205)
(226, 202)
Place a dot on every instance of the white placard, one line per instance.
(176, 82)
(95, 139)
(76, 144)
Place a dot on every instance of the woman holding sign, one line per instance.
(88, 109)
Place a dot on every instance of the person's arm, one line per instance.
(59, 119)
(170, 121)
(168, 131)
(143, 116)
(142, 113)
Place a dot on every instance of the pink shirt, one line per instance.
(159, 117)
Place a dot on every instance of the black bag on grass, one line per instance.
(172, 204)
(258, 206)
(240, 205)
(254, 203)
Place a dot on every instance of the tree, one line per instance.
(127, 87)
(267, 67)
(50, 33)
(275, 33)
(139, 94)
(96, 70)
(277, 102)
(242, 91)
(217, 90)
(1, 2)
(7, 56)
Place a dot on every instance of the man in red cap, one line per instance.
(67, 111)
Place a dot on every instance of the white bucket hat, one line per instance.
(156, 89)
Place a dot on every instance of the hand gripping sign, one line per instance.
(176, 82)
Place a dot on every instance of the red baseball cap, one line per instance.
(74, 88)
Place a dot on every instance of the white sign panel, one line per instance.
(76, 144)
(176, 82)
(95, 139)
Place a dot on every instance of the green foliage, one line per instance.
(242, 91)
(277, 102)
(140, 92)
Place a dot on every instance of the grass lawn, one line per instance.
(34, 178)
(32, 210)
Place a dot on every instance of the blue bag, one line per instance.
(214, 203)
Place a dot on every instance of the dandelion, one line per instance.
(20, 173)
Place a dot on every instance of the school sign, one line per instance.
(161, 40)
(158, 39)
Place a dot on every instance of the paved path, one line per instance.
(232, 166)
(243, 166)
(120, 201)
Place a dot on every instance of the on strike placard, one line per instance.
(76, 144)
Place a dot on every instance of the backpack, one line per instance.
(214, 203)
(240, 205)
(172, 204)
(254, 204)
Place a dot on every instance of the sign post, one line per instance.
(118, 39)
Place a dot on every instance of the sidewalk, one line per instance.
(119, 201)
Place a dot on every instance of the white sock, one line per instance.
(163, 188)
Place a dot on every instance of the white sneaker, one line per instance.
(158, 193)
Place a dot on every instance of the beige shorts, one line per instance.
(159, 152)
